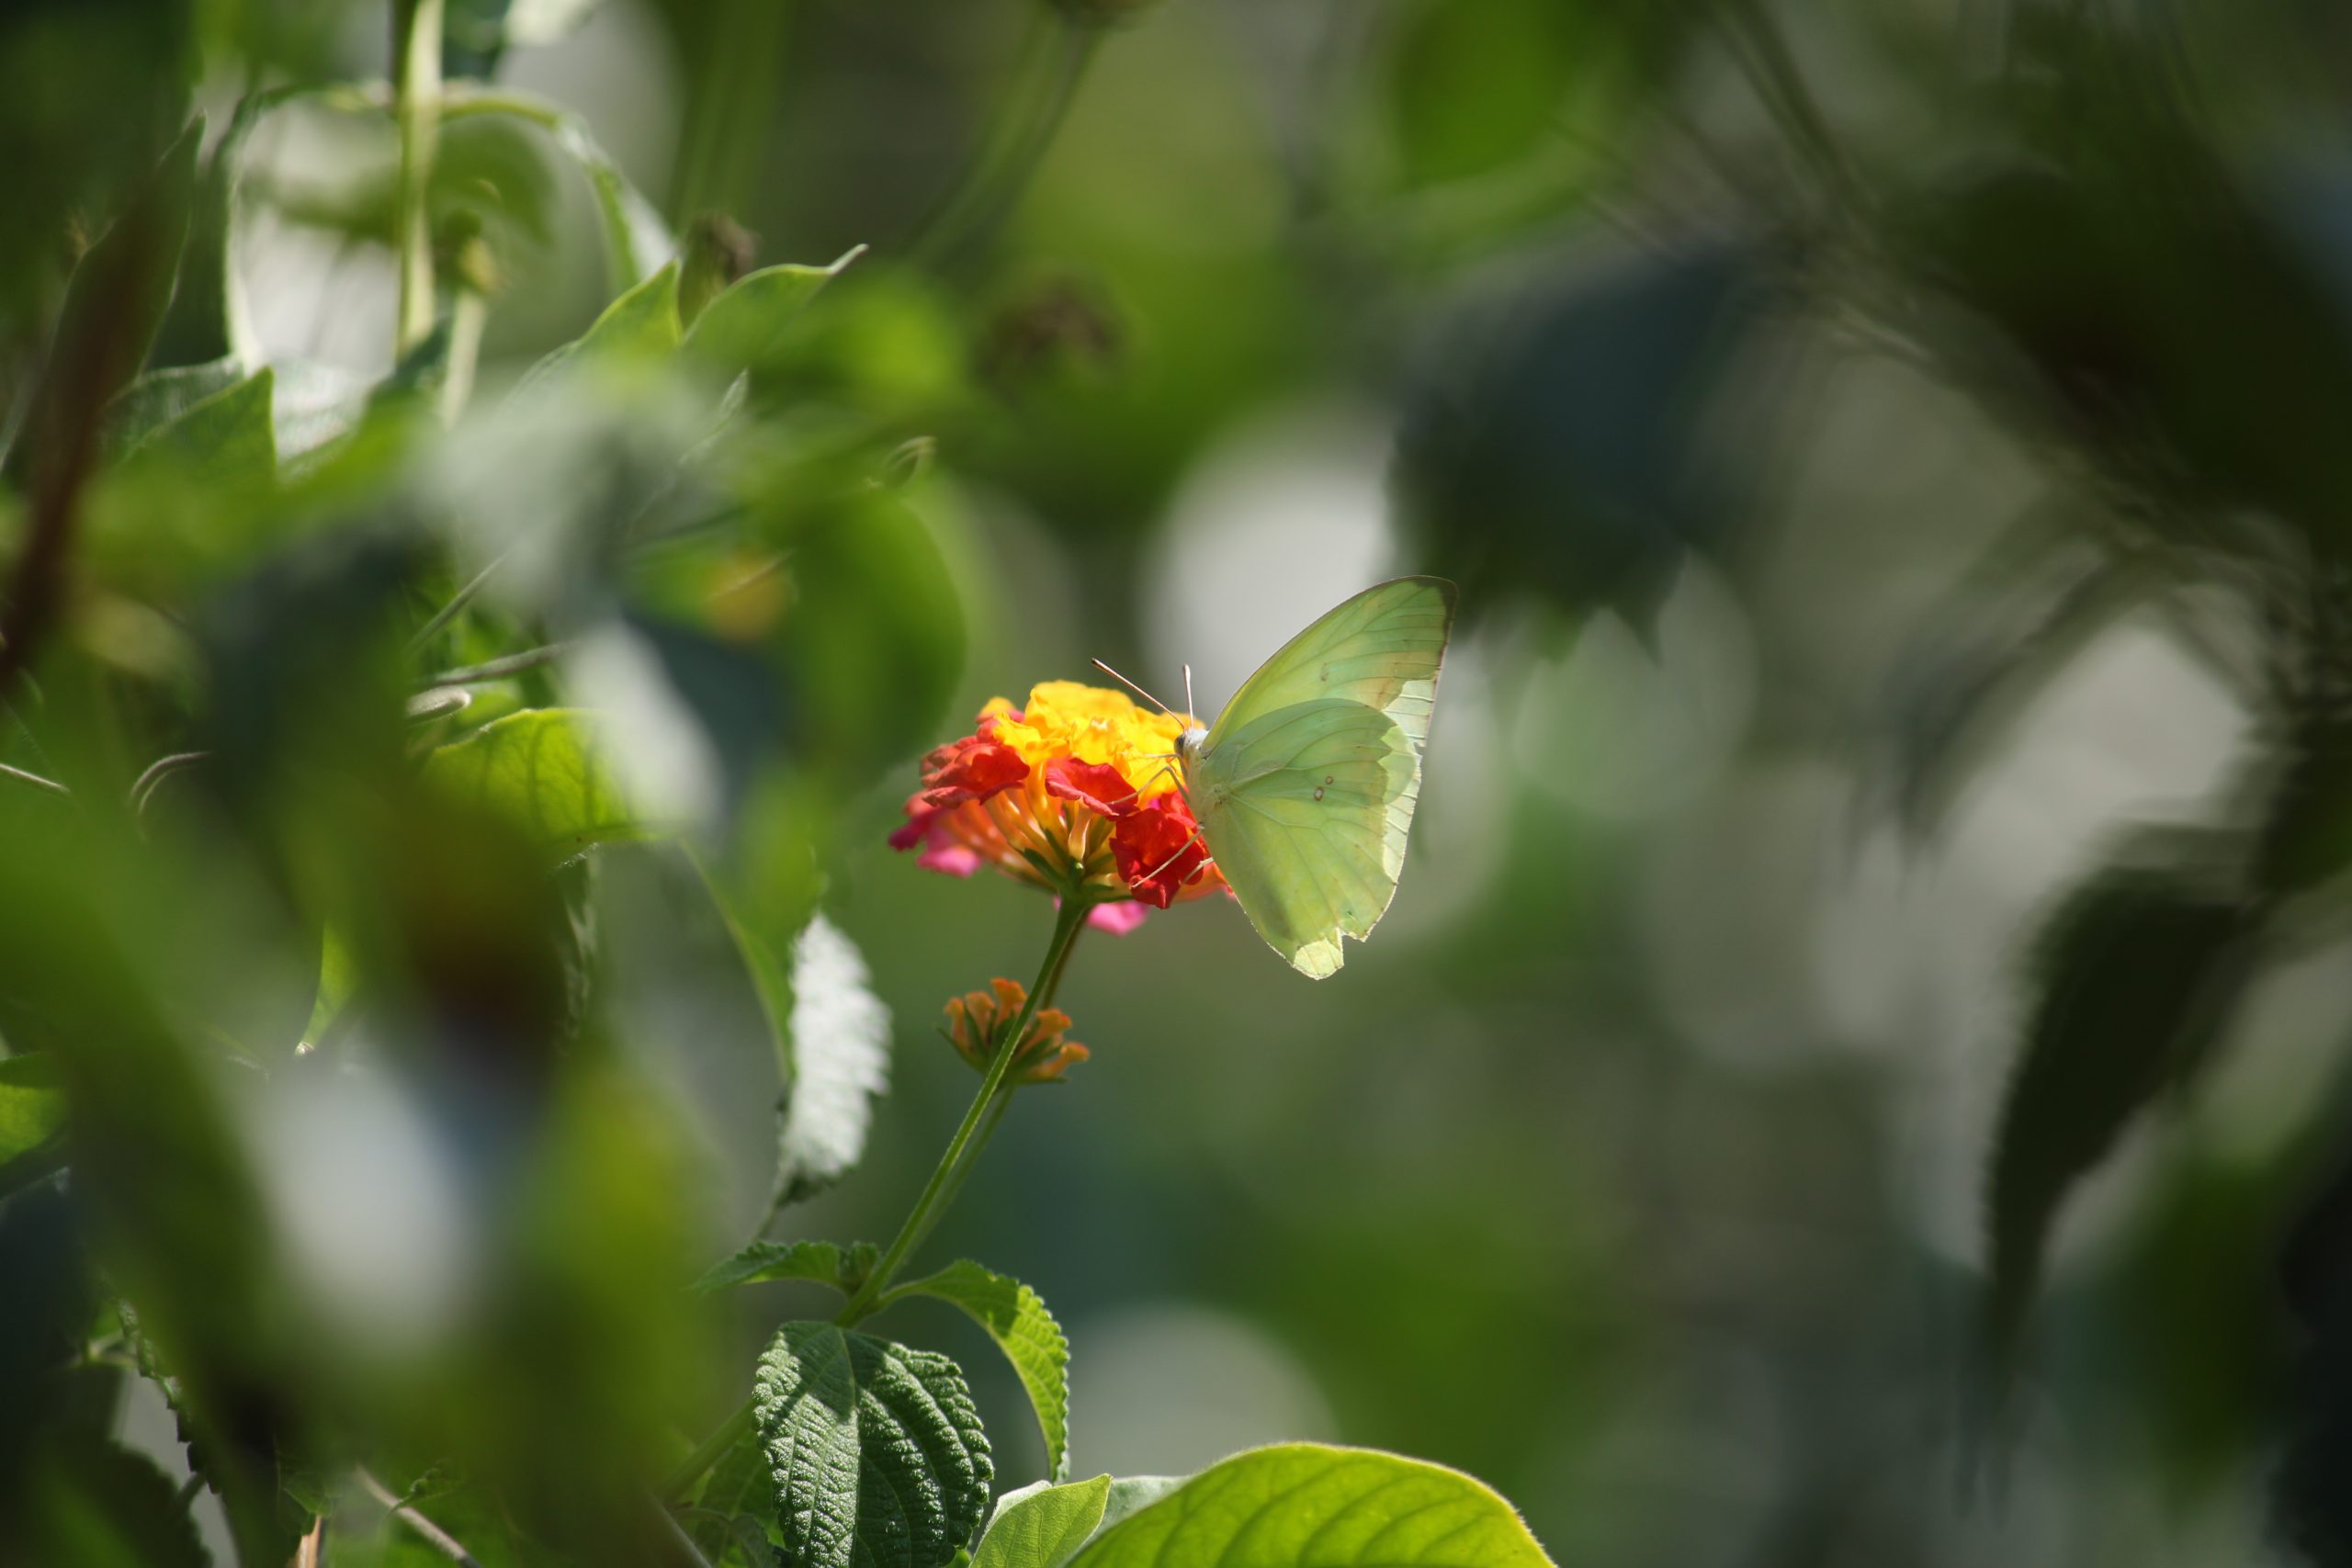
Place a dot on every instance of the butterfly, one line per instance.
(1305, 786)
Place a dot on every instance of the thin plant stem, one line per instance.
(1068, 923)
(978, 1125)
(416, 108)
(441, 1540)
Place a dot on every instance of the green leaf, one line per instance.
(746, 325)
(1016, 1319)
(113, 305)
(1307, 1506)
(734, 1516)
(1042, 1526)
(226, 440)
(877, 1450)
(2136, 976)
(540, 768)
(844, 1268)
(32, 1104)
(161, 396)
(638, 328)
(98, 1504)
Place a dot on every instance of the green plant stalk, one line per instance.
(1070, 920)
(980, 1123)
(416, 110)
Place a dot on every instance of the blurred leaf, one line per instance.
(478, 33)
(1042, 1525)
(874, 639)
(226, 442)
(743, 327)
(733, 1521)
(95, 1503)
(1965, 679)
(640, 328)
(1016, 1319)
(1560, 450)
(2305, 839)
(1307, 1506)
(112, 307)
(161, 396)
(32, 1104)
(877, 1450)
(541, 768)
(844, 1268)
(2135, 979)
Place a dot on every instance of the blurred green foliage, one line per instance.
(1866, 1012)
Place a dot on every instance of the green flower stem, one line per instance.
(978, 1125)
(933, 1201)
(416, 108)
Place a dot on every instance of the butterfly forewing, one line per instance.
(1381, 648)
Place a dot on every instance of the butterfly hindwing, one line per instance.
(1307, 809)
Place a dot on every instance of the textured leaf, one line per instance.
(746, 325)
(1307, 1506)
(540, 767)
(32, 1104)
(2136, 976)
(640, 327)
(1042, 1525)
(1016, 1319)
(877, 1450)
(844, 1268)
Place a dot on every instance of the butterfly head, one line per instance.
(1187, 745)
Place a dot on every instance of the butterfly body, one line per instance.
(1305, 787)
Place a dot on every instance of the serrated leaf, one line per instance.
(746, 325)
(2134, 978)
(877, 1450)
(638, 328)
(1308, 1505)
(844, 1268)
(1016, 1319)
(540, 768)
(1043, 1525)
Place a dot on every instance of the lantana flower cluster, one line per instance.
(1075, 791)
(977, 1021)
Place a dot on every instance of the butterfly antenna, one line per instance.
(1189, 711)
(1131, 685)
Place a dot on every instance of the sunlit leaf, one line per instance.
(844, 1268)
(1307, 1506)
(1016, 1319)
(877, 1450)
(226, 440)
(1042, 1525)
(543, 770)
(32, 1105)
(747, 323)
(637, 329)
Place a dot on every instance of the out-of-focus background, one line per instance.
(1893, 453)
